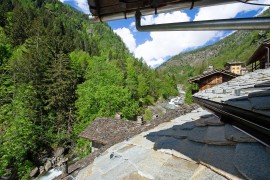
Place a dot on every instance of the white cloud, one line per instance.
(164, 44)
(224, 11)
(127, 37)
(81, 4)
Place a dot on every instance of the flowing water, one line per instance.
(51, 174)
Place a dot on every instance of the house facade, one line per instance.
(212, 78)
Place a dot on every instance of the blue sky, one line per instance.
(157, 47)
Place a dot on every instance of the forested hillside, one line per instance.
(239, 46)
(58, 73)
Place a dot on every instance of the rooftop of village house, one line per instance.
(210, 73)
(260, 53)
(234, 63)
(244, 92)
(105, 130)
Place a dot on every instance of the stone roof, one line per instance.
(250, 92)
(193, 146)
(259, 53)
(197, 145)
(105, 130)
(210, 73)
(233, 63)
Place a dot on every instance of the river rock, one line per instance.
(59, 151)
(48, 165)
(41, 169)
(34, 172)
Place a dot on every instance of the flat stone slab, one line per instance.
(259, 94)
(213, 121)
(215, 135)
(200, 123)
(261, 103)
(135, 176)
(204, 173)
(141, 141)
(207, 115)
(120, 171)
(220, 159)
(186, 126)
(176, 168)
(188, 150)
(252, 160)
(172, 133)
(151, 166)
(134, 154)
(107, 162)
(198, 134)
(240, 104)
(167, 143)
(233, 134)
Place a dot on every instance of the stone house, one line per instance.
(235, 67)
(212, 78)
(260, 58)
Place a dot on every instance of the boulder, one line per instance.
(41, 169)
(34, 173)
(59, 151)
(48, 165)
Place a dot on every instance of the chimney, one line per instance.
(210, 67)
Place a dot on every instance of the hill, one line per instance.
(58, 73)
(238, 46)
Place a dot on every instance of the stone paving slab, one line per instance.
(220, 159)
(188, 150)
(151, 166)
(213, 121)
(215, 135)
(204, 173)
(181, 134)
(233, 134)
(134, 176)
(141, 141)
(185, 126)
(119, 172)
(128, 153)
(252, 160)
(198, 134)
(177, 168)
(261, 103)
(107, 162)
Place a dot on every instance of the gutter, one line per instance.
(254, 124)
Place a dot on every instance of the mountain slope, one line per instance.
(239, 46)
(57, 73)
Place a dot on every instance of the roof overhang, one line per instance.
(105, 10)
(198, 78)
(259, 53)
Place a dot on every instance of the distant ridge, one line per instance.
(238, 46)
